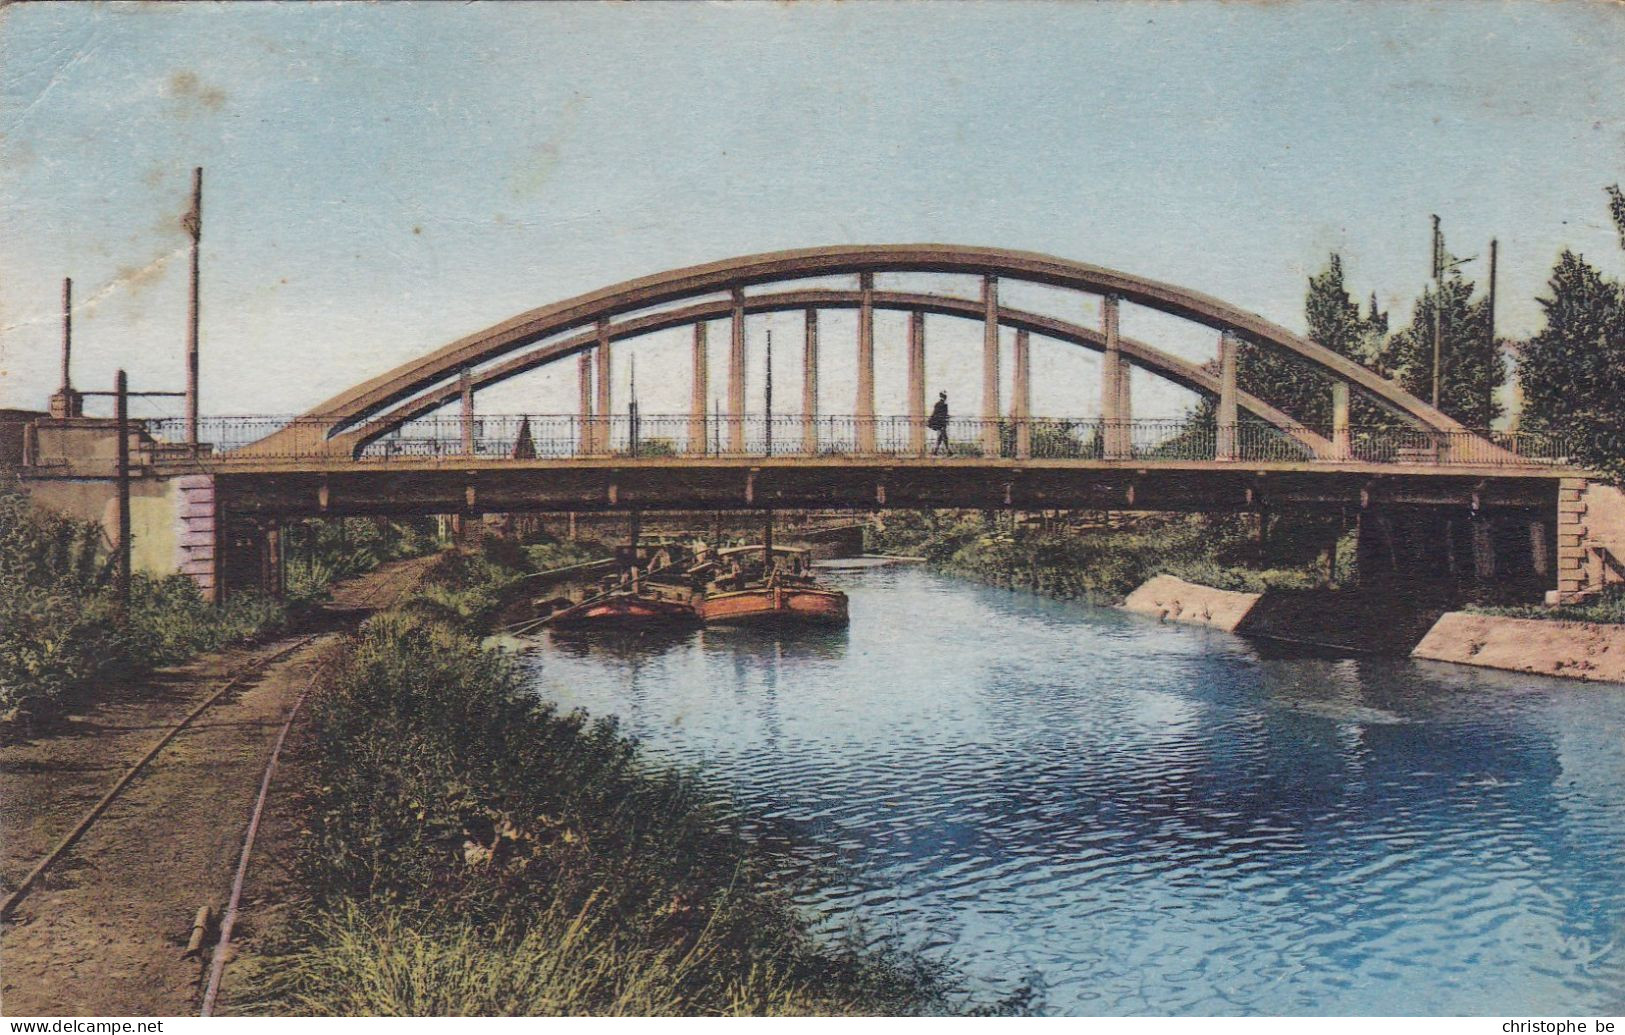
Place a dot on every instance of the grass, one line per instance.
(469, 849)
(1607, 607)
(563, 553)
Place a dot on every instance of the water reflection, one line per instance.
(1153, 818)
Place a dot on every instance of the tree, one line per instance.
(1335, 321)
(1469, 363)
(1573, 371)
(1616, 208)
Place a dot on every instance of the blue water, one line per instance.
(1141, 818)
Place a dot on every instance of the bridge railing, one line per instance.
(261, 439)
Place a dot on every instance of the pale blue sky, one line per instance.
(381, 179)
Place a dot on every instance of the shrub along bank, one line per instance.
(62, 641)
(1104, 565)
(469, 849)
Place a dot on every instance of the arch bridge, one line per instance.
(412, 439)
(587, 327)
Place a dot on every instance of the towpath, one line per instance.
(103, 931)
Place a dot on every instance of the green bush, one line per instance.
(62, 638)
(1102, 565)
(562, 553)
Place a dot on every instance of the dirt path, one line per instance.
(103, 931)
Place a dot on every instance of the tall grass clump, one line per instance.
(470, 849)
(324, 551)
(1607, 607)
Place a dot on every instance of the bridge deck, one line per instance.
(699, 483)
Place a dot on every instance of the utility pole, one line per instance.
(1444, 263)
(121, 425)
(67, 338)
(1438, 304)
(121, 413)
(1491, 350)
(194, 226)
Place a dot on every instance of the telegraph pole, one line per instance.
(1444, 263)
(194, 226)
(1438, 304)
(121, 413)
(121, 423)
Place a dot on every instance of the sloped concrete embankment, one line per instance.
(1370, 620)
(1171, 599)
(1574, 650)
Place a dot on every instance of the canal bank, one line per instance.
(1202, 572)
(457, 845)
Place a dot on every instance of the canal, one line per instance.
(1129, 817)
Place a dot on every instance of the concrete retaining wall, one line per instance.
(1175, 600)
(1574, 650)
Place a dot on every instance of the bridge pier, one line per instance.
(699, 390)
(916, 382)
(1590, 539)
(809, 384)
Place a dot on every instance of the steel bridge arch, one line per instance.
(362, 404)
(1173, 368)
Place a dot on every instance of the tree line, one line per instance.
(1570, 373)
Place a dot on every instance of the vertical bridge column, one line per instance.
(1125, 406)
(1021, 401)
(916, 383)
(699, 390)
(601, 440)
(584, 381)
(865, 408)
(736, 376)
(990, 366)
(1342, 448)
(1225, 447)
(809, 385)
(1111, 378)
(465, 385)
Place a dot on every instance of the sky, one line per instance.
(382, 179)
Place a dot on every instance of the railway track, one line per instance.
(255, 666)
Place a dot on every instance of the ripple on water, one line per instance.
(1140, 818)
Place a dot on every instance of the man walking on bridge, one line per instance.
(938, 422)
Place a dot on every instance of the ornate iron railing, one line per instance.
(227, 440)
